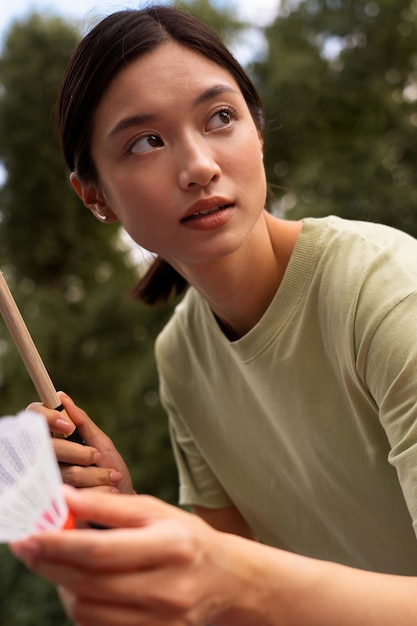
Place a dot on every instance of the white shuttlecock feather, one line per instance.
(31, 498)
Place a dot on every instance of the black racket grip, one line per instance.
(76, 438)
(75, 435)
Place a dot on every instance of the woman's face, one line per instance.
(178, 157)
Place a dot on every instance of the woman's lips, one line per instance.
(204, 212)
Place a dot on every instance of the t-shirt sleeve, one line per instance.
(198, 484)
(389, 362)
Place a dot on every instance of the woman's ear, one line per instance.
(93, 199)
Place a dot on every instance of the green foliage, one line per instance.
(222, 19)
(342, 135)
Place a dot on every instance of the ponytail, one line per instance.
(159, 284)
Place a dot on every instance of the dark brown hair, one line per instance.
(103, 52)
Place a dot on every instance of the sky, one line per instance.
(85, 11)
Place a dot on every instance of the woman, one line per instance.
(287, 371)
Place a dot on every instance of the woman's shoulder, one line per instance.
(339, 229)
(361, 267)
(355, 243)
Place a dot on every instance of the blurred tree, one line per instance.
(339, 84)
(221, 17)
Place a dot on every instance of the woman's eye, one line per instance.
(146, 143)
(221, 118)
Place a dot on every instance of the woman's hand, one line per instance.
(96, 464)
(159, 566)
(164, 567)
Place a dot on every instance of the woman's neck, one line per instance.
(239, 288)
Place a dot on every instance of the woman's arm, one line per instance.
(160, 565)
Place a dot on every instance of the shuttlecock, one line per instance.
(31, 498)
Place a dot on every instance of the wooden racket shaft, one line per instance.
(30, 355)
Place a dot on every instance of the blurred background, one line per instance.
(339, 82)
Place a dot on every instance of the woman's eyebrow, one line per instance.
(146, 118)
(134, 120)
(212, 92)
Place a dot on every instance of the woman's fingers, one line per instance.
(109, 553)
(96, 438)
(130, 512)
(84, 612)
(57, 421)
(74, 453)
(155, 564)
(80, 466)
(84, 477)
(165, 533)
(87, 428)
(76, 461)
(96, 464)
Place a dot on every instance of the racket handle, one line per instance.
(76, 437)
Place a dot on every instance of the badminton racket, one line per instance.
(30, 355)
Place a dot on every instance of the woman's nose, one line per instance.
(197, 165)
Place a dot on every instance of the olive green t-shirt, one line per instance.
(308, 423)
